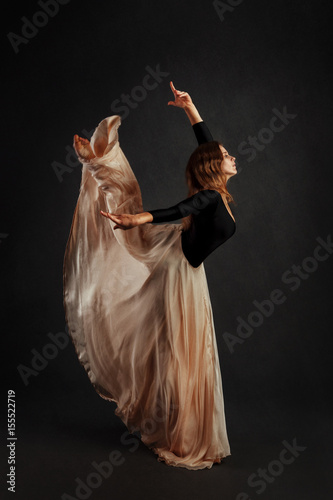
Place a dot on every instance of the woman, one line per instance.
(137, 302)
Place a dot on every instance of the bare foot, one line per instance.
(83, 148)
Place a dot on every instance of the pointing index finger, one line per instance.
(173, 88)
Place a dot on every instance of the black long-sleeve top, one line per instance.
(211, 225)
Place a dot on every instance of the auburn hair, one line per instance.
(204, 171)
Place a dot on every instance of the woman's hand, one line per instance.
(127, 221)
(182, 99)
(123, 221)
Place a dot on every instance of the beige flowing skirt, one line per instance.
(140, 316)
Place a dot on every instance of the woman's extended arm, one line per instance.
(203, 200)
(184, 101)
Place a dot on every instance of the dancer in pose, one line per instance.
(137, 302)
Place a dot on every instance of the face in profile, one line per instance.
(228, 164)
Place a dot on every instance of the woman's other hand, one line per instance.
(127, 221)
(123, 221)
(182, 99)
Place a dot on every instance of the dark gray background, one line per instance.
(262, 56)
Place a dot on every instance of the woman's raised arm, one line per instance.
(184, 101)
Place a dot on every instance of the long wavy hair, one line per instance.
(204, 171)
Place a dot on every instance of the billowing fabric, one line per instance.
(140, 316)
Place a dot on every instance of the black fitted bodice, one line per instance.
(211, 224)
